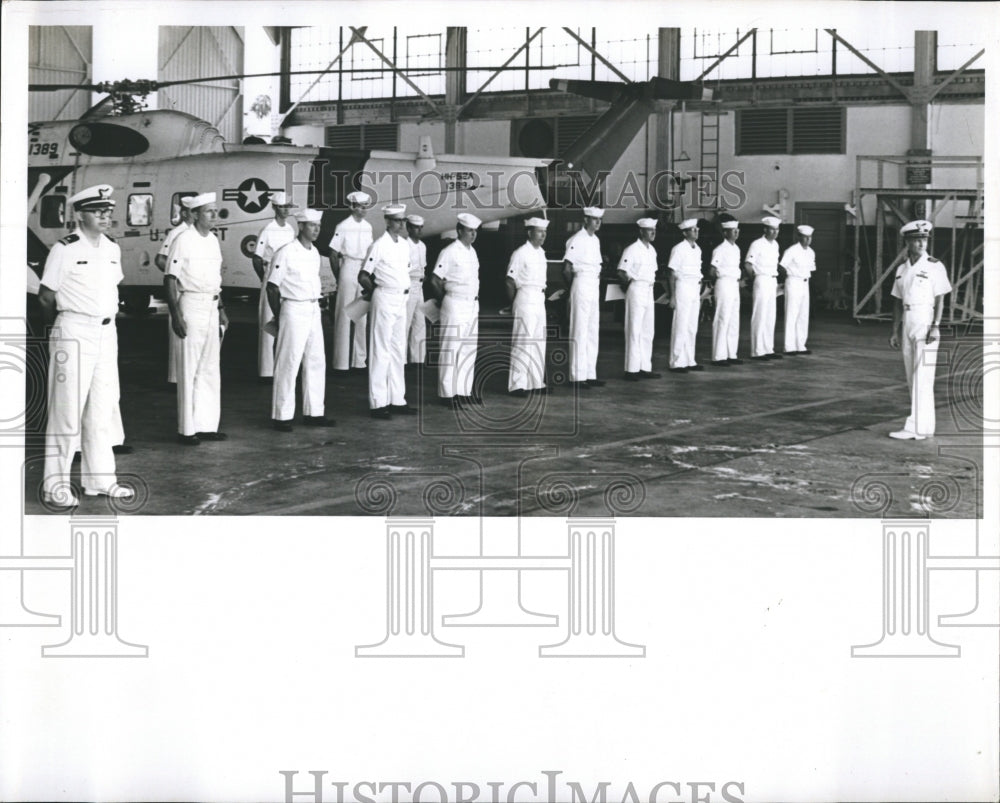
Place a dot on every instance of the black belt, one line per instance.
(105, 322)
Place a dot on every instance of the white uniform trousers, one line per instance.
(265, 342)
(386, 382)
(920, 362)
(639, 319)
(299, 343)
(349, 351)
(684, 329)
(416, 335)
(199, 384)
(527, 347)
(173, 350)
(82, 394)
(796, 313)
(584, 327)
(765, 299)
(726, 325)
(459, 326)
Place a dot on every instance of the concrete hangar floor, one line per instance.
(800, 437)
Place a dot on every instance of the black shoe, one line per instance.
(804, 351)
(475, 399)
(359, 370)
(381, 413)
(734, 361)
(761, 358)
(696, 367)
(449, 401)
(520, 393)
(122, 448)
(773, 356)
(788, 354)
(402, 409)
(720, 363)
(650, 374)
(678, 370)
(318, 421)
(631, 376)
(213, 436)
(280, 425)
(339, 372)
(188, 440)
(580, 385)
(596, 383)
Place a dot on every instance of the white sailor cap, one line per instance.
(773, 222)
(359, 197)
(309, 216)
(593, 211)
(203, 199)
(806, 230)
(646, 223)
(96, 197)
(469, 221)
(187, 200)
(920, 228)
(690, 223)
(280, 199)
(415, 220)
(730, 224)
(536, 223)
(394, 211)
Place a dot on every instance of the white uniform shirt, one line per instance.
(583, 250)
(458, 266)
(639, 262)
(168, 241)
(528, 268)
(418, 260)
(389, 262)
(726, 260)
(685, 260)
(196, 262)
(84, 277)
(295, 272)
(799, 262)
(918, 284)
(352, 238)
(271, 238)
(763, 257)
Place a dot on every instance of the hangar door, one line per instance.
(59, 54)
(203, 52)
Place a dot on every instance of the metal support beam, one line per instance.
(727, 54)
(497, 72)
(593, 51)
(319, 77)
(454, 82)
(954, 75)
(924, 63)
(904, 91)
(359, 34)
(668, 66)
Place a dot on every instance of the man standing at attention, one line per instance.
(726, 272)
(799, 261)
(637, 272)
(193, 283)
(526, 289)
(173, 350)
(79, 298)
(762, 264)
(416, 334)
(685, 295)
(919, 290)
(350, 243)
(582, 272)
(275, 234)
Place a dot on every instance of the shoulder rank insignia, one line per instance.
(69, 238)
(110, 237)
(933, 259)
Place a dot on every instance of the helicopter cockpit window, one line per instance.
(52, 211)
(175, 206)
(140, 209)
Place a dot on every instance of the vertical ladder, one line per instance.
(709, 196)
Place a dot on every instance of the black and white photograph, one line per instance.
(626, 374)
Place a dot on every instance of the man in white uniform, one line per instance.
(348, 248)
(525, 283)
(293, 293)
(275, 234)
(79, 294)
(726, 272)
(919, 290)
(455, 283)
(193, 281)
(385, 278)
(637, 272)
(685, 295)
(799, 262)
(416, 334)
(173, 342)
(762, 264)
(582, 271)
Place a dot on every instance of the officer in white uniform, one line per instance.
(919, 290)
(455, 282)
(79, 293)
(173, 343)
(348, 248)
(385, 279)
(637, 272)
(762, 264)
(685, 294)
(526, 275)
(275, 234)
(582, 271)
(193, 282)
(293, 293)
(726, 272)
(799, 262)
(416, 335)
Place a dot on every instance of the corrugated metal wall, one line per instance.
(59, 54)
(204, 52)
